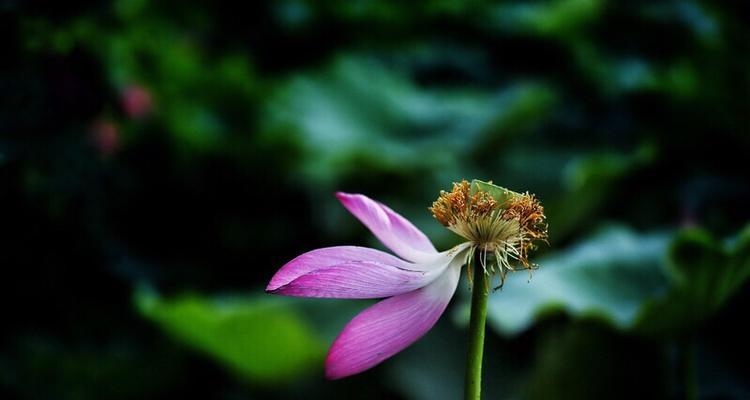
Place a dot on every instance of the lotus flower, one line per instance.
(417, 285)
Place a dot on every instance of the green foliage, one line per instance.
(587, 361)
(705, 274)
(589, 182)
(649, 284)
(607, 277)
(633, 113)
(558, 18)
(375, 116)
(261, 339)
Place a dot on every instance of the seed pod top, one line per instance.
(494, 219)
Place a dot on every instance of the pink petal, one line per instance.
(356, 280)
(327, 257)
(390, 326)
(356, 273)
(393, 230)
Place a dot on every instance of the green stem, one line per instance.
(479, 295)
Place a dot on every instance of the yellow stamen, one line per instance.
(505, 226)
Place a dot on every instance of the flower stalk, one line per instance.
(477, 322)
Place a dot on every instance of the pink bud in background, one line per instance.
(105, 137)
(136, 101)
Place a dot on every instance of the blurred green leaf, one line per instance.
(630, 281)
(608, 276)
(569, 357)
(421, 373)
(705, 274)
(261, 339)
(358, 112)
(408, 372)
(558, 18)
(588, 182)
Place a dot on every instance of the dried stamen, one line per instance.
(498, 222)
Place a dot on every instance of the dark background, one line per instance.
(159, 161)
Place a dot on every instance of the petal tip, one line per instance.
(276, 285)
(277, 288)
(343, 196)
(332, 376)
(333, 370)
(271, 290)
(273, 284)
